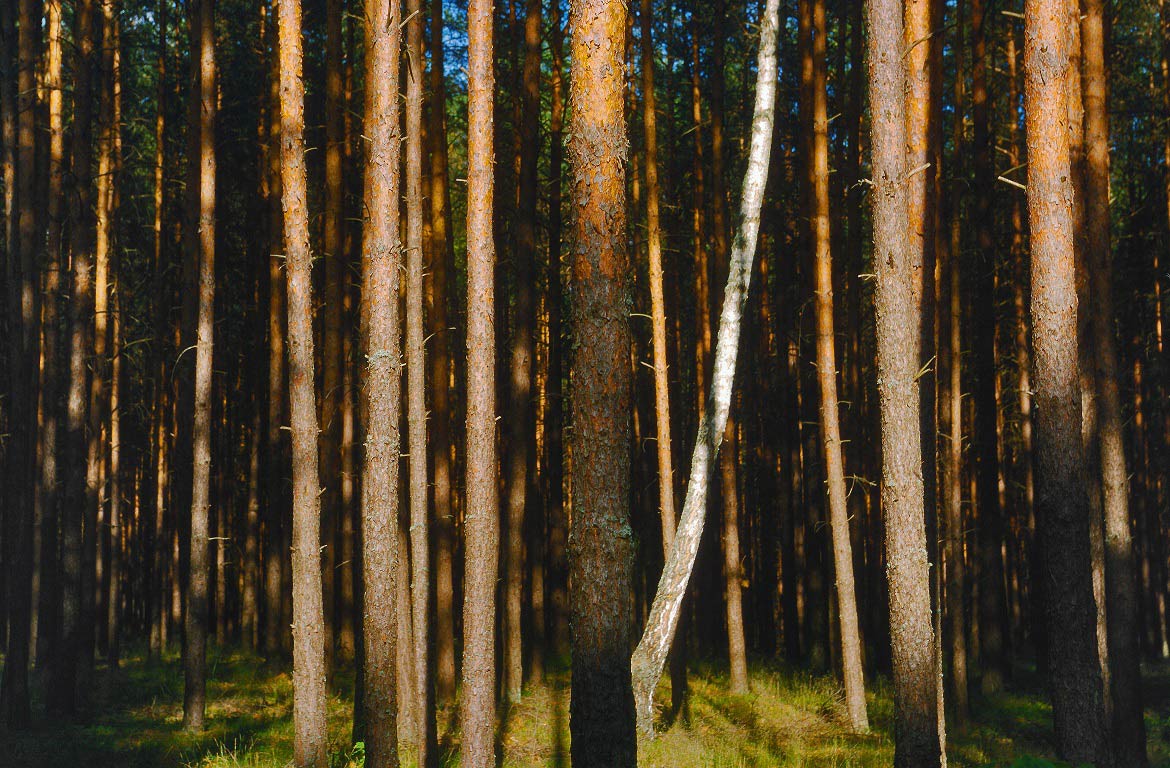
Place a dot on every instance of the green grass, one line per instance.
(790, 718)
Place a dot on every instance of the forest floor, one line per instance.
(789, 719)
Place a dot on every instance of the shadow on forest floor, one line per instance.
(790, 718)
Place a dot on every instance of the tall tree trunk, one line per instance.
(310, 740)
(53, 320)
(1063, 510)
(601, 707)
(1129, 734)
(63, 695)
(993, 660)
(826, 361)
(477, 710)
(420, 570)
(23, 310)
(331, 310)
(916, 715)
(951, 417)
(554, 457)
(195, 621)
(650, 654)
(520, 446)
(442, 282)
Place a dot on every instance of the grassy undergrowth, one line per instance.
(789, 719)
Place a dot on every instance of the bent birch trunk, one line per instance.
(650, 655)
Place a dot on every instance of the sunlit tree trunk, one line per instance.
(916, 715)
(601, 708)
(826, 363)
(477, 710)
(650, 655)
(1063, 511)
(310, 740)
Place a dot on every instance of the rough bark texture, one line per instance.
(1062, 506)
(195, 619)
(916, 715)
(481, 519)
(601, 708)
(382, 387)
(650, 655)
(826, 358)
(310, 740)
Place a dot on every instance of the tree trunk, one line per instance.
(1129, 736)
(520, 446)
(420, 570)
(310, 740)
(442, 281)
(601, 708)
(477, 710)
(650, 655)
(63, 696)
(826, 362)
(916, 715)
(1063, 510)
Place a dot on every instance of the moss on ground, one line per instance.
(790, 718)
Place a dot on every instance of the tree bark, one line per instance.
(477, 711)
(650, 654)
(420, 570)
(1063, 510)
(63, 696)
(1128, 726)
(310, 739)
(916, 715)
(195, 620)
(826, 363)
(601, 708)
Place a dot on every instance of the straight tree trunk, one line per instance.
(1128, 726)
(1063, 509)
(310, 739)
(20, 449)
(826, 361)
(991, 609)
(477, 710)
(554, 457)
(53, 321)
(650, 655)
(195, 620)
(63, 694)
(912, 645)
(331, 311)
(601, 707)
(442, 280)
(420, 571)
(520, 446)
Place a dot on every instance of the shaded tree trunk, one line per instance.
(1063, 510)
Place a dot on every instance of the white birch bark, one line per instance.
(650, 655)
